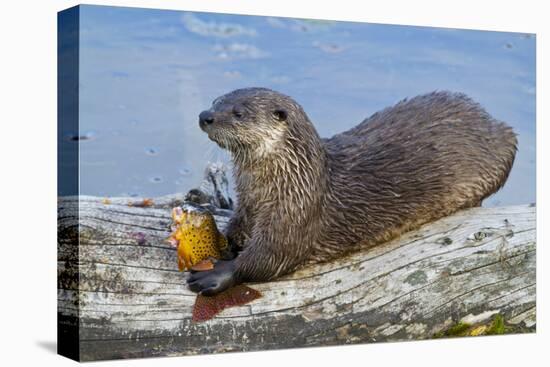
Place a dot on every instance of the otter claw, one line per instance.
(211, 282)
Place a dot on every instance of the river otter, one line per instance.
(302, 198)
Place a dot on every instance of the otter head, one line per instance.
(252, 122)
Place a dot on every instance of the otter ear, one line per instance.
(280, 114)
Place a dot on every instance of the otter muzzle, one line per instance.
(206, 118)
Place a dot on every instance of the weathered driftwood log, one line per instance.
(121, 294)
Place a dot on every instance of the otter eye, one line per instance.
(238, 111)
(280, 114)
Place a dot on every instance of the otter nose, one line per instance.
(206, 118)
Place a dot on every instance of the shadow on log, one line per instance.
(120, 291)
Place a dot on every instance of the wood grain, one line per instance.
(119, 285)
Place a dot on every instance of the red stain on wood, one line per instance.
(145, 203)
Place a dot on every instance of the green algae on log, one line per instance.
(494, 326)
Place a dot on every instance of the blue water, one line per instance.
(145, 75)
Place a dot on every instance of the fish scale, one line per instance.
(196, 236)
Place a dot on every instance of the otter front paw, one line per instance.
(211, 282)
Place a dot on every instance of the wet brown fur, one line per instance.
(302, 198)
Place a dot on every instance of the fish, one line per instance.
(207, 307)
(199, 245)
(196, 237)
